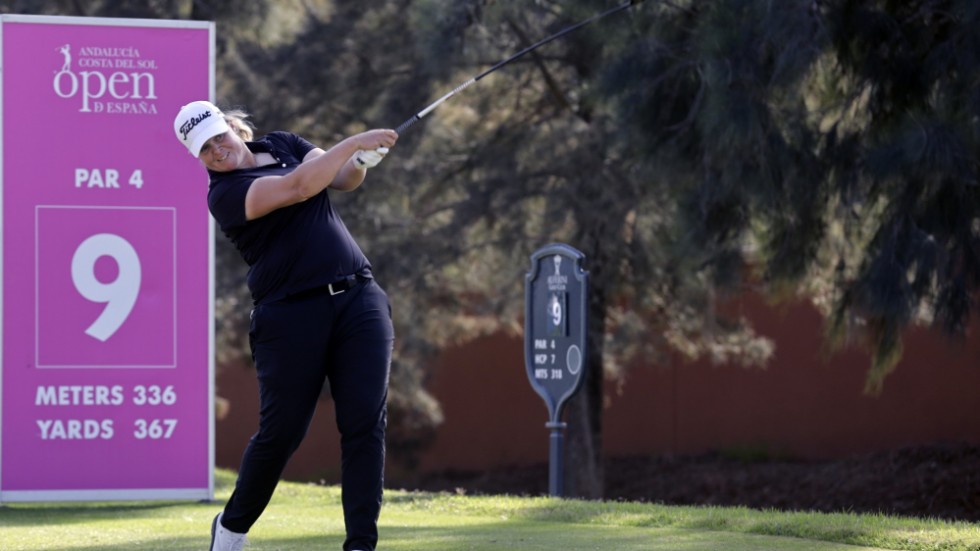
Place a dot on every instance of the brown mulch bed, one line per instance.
(940, 481)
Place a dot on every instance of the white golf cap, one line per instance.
(198, 122)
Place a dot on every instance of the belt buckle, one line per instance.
(338, 291)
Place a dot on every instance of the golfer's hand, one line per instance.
(373, 146)
(369, 158)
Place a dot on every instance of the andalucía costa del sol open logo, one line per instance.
(113, 80)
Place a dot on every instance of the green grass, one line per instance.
(305, 516)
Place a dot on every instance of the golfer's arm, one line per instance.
(348, 178)
(316, 173)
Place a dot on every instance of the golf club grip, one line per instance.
(405, 125)
(418, 116)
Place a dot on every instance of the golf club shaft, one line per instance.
(418, 116)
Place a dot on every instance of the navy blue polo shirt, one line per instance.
(291, 249)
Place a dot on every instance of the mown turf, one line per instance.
(304, 516)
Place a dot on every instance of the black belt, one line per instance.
(337, 287)
(345, 284)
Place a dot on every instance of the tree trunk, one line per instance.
(584, 477)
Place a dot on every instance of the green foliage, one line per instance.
(916, 65)
(833, 144)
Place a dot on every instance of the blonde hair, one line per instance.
(237, 119)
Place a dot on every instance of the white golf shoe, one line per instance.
(223, 539)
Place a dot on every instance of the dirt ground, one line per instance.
(941, 481)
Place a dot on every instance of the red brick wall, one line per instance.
(803, 404)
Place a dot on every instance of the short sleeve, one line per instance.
(296, 145)
(226, 201)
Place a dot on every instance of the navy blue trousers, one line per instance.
(297, 343)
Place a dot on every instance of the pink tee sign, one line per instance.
(106, 365)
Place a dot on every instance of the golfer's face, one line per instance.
(223, 152)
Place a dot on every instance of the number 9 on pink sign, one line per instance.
(119, 295)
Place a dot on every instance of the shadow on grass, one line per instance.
(146, 544)
(409, 497)
(39, 514)
(494, 536)
(141, 529)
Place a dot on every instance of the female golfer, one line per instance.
(318, 313)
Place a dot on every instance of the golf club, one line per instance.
(418, 116)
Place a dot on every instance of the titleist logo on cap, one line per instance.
(186, 128)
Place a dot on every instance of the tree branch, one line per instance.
(550, 81)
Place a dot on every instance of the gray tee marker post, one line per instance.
(555, 322)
